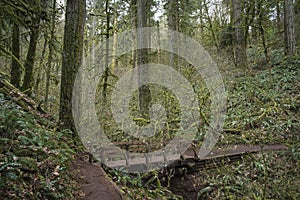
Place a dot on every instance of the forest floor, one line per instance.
(38, 161)
(262, 109)
(187, 185)
(93, 182)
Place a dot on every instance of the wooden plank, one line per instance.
(187, 159)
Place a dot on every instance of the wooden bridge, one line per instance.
(137, 162)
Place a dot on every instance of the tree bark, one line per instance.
(72, 58)
(261, 14)
(297, 22)
(240, 55)
(249, 18)
(30, 58)
(289, 27)
(278, 16)
(51, 48)
(107, 12)
(173, 24)
(39, 74)
(144, 91)
(15, 66)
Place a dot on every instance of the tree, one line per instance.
(15, 66)
(72, 57)
(297, 21)
(30, 58)
(261, 13)
(144, 91)
(240, 56)
(173, 24)
(210, 23)
(289, 27)
(51, 49)
(107, 12)
(12, 17)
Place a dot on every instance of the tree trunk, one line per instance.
(107, 12)
(15, 66)
(72, 58)
(30, 58)
(261, 14)
(51, 48)
(172, 5)
(144, 91)
(278, 16)
(210, 22)
(289, 27)
(240, 56)
(39, 74)
(114, 59)
(249, 18)
(297, 22)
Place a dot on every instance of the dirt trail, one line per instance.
(94, 182)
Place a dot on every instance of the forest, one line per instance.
(149, 99)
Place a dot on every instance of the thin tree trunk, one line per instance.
(158, 41)
(239, 42)
(51, 48)
(211, 28)
(297, 22)
(30, 58)
(107, 50)
(249, 18)
(133, 9)
(278, 18)
(41, 65)
(114, 59)
(289, 26)
(173, 23)
(15, 66)
(144, 91)
(262, 30)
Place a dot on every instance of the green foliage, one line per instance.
(33, 160)
(264, 107)
(262, 176)
(135, 187)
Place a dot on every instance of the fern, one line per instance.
(9, 164)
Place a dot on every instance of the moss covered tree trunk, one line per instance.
(30, 58)
(15, 66)
(51, 51)
(72, 58)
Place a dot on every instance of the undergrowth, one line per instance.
(134, 186)
(33, 159)
(263, 108)
(258, 176)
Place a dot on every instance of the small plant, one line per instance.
(33, 160)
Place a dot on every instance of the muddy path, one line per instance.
(93, 181)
